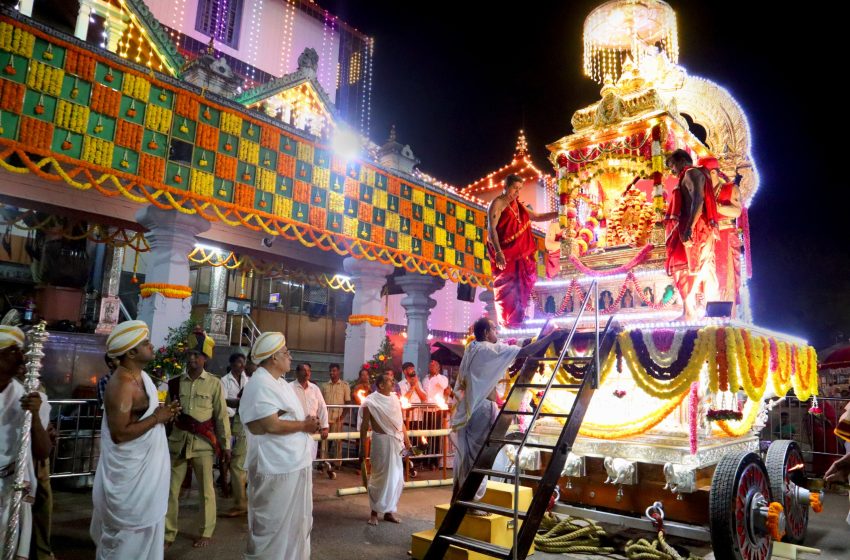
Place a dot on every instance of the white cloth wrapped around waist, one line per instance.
(132, 479)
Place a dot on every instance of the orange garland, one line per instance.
(774, 510)
(374, 320)
(171, 291)
(722, 361)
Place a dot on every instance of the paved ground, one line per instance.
(340, 531)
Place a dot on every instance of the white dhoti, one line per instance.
(482, 367)
(470, 439)
(130, 494)
(387, 480)
(280, 515)
(116, 543)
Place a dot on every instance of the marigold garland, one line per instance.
(171, 291)
(374, 320)
(738, 428)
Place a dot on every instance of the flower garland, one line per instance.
(633, 427)
(663, 365)
(638, 259)
(575, 293)
(170, 291)
(374, 320)
(693, 410)
(805, 381)
(677, 385)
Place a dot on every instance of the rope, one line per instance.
(570, 535)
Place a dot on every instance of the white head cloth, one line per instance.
(266, 345)
(11, 336)
(125, 337)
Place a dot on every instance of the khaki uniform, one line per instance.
(201, 399)
(335, 394)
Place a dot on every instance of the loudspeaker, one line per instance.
(718, 309)
(466, 292)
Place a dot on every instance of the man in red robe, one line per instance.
(727, 250)
(512, 250)
(690, 226)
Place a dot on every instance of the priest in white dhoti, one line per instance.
(381, 411)
(484, 364)
(280, 485)
(13, 402)
(130, 494)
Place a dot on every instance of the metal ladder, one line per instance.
(524, 537)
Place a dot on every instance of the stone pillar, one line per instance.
(215, 320)
(489, 301)
(417, 304)
(25, 7)
(171, 236)
(363, 340)
(81, 30)
(110, 306)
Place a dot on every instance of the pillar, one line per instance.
(171, 236)
(489, 300)
(81, 30)
(417, 305)
(215, 321)
(110, 306)
(114, 31)
(363, 340)
(25, 7)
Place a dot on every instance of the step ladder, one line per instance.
(523, 537)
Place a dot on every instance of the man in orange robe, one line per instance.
(690, 226)
(512, 249)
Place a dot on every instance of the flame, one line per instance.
(441, 402)
(93, 380)
(423, 440)
(405, 404)
(360, 395)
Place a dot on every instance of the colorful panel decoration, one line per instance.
(120, 129)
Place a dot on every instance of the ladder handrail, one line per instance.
(594, 287)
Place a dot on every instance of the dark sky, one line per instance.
(460, 79)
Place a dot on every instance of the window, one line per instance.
(220, 19)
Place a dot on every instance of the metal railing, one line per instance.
(427, 426)
(76, 449)
(246, 328)
(791, 419)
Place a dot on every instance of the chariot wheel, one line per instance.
(785, 464)
(738, 505)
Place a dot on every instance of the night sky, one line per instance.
(460, 79)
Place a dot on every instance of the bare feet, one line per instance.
(373, 518)
(235, 512)
(202, 542)
(391, 518)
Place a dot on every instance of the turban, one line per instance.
(11, 336)
(708, 162)
(125, 337)
(266, 345)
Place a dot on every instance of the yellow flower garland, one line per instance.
(634, 427)
(171, 291)
(374, 320)
(682, 382)
(805, 380)
(782, 376)
(738, 428)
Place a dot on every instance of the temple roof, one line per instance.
(521, 165)
(152, 33)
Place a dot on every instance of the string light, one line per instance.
(254, 40)
(286, 44)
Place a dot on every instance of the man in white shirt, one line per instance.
(311, 399)
(14, 401)
(280, 486)
(232, 384)
(436, 385)
(412, 393)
